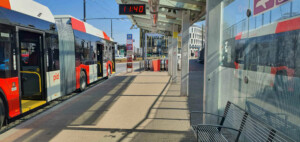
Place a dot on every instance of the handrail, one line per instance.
(99, 65)
(40, 81)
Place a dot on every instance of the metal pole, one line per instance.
(255, 22)
(84, 10)
(271, 16)
(142, 44)
(291, 9)
(262, 19)
(111, 28)
(202, 38)
(145, 53)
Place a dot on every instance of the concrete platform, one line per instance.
(137, 107)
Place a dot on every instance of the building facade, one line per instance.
(121, 50)
(196, 42)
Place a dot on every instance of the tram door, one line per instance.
(31, 65)
(100, 60)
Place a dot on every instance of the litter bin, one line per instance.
(156, 65)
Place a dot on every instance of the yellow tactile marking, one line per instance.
(31, 104)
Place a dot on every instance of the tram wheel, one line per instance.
(83, 81)
(2, 113)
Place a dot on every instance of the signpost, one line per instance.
(131, 9)
(129, 46)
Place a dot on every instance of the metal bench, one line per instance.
(234, 123)
(278, 121)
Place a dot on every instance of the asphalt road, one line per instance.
(121, 67)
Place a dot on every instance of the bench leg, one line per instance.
(197, 135)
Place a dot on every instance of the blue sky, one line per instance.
(96, 9)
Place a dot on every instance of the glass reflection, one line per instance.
(260, 57)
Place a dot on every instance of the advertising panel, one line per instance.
(261, 6)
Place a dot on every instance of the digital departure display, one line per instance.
(131, 9)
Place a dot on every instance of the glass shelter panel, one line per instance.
(259, 60)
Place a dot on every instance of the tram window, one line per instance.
(7, 68)
(93, 51)
(78, 48)
(53, 52)
(86, 52)
(4, 57)
(81, 49)
(31, 54)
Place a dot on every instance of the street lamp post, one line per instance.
(84, 10)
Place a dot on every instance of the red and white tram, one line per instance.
(43, 57)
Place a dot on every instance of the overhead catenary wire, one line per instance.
(109, 5)
(111, 23)
(99, 9)
(102, 6)
(105, 11)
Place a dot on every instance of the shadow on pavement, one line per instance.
(85, 109)
(140, 106)
(195, 99)
(172, 111)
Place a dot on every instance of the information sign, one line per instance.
(129, 46)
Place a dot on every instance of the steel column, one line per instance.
(170, 55)
(175, 52)
(184, 90)
(145, 52)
